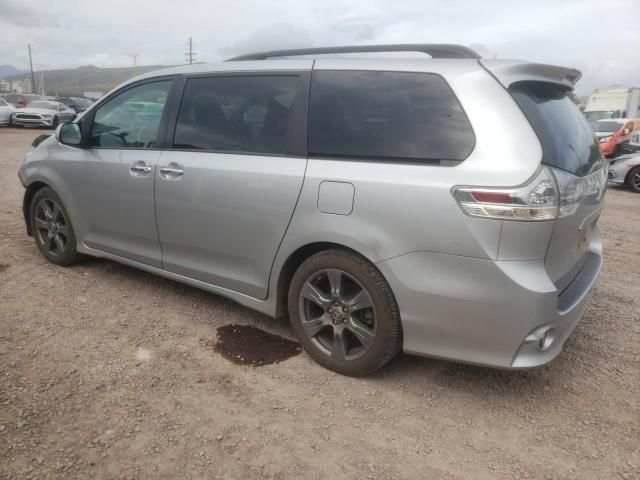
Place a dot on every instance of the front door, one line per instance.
(226, 190)
(115, 182)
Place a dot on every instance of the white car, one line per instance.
(43, 113)
(6, 110)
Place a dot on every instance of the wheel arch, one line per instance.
(32, 189)
(628, 174)
(291, 264)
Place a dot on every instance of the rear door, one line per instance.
(570, 148)
(227, 187)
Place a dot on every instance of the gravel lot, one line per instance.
(107, 372)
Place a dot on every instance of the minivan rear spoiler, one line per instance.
(508, 72)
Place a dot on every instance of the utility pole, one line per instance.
(190, 54)
(33, 80)
(135, 63)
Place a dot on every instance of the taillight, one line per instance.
(551, 194)
(535, 201)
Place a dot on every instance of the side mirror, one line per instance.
(69, 134)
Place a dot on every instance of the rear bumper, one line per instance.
(485, 312)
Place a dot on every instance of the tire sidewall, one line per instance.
(632, 172)
(70, 255)
(386, 311)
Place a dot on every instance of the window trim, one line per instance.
(86, 122)
(296, 145)
(395, 160)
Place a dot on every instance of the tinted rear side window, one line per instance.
(567, 139)
(391, 115)
(236, 114)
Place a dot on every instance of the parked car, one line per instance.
(21, 100)
(77, 104)
(625, 170)
(631, 146)
(6, 109)
(613, 133)
(446, 207)
(43, 113)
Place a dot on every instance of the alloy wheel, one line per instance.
(337, 314)
(635, 179)
(52, 229)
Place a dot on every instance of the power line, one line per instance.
(190, 55)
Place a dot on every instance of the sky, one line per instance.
(599, 37)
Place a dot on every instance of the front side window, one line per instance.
(131, 119)
(236, 114)
(388, 115)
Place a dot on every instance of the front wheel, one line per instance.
(55, 122)
(52, 228)
(344, 313)
(634, 179)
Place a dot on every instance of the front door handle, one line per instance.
(140, 168)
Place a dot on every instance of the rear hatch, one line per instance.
(572, 151)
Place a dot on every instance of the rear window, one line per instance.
(387, 115)
(567, 140)
(606, 127)
(247, 114)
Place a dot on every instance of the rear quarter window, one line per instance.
(386, 115)
(568, 142)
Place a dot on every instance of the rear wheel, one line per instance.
(344, 313)
(52, 228)
(633, 180)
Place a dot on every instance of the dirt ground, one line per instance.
(107, 372)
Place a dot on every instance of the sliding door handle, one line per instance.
(171, 171)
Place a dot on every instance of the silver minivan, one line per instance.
(444, 206)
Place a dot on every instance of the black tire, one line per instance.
(633, 179)
(381, 320)
(52, 229)
(55, 123)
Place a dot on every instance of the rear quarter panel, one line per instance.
(401, 207)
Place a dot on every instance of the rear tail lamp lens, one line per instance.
(550, 194)
(537, 200)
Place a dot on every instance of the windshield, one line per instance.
(567, 140)
(45, 105)
(606, 127)
(600, 115)
(83, 102)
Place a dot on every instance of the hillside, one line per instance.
(83, 79)
(8, 70)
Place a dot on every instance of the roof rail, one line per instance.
(434, 50)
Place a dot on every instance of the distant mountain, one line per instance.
(89, 78)
(9, 71)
